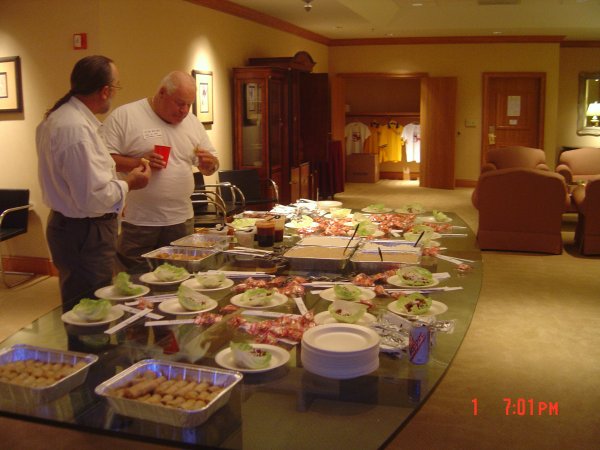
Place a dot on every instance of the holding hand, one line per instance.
(138, 178)
(207, 162)
(155, 160)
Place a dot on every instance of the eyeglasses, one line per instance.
(116, 86)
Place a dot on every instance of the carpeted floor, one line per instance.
(535, 336)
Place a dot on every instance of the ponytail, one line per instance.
(89, 75)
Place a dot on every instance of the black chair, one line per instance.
(209, 206)
(14, 217)
(255, 192)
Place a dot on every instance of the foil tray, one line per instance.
(193, 259)
(204, 240)
(162, 414)
(318, 259)
(37, 395)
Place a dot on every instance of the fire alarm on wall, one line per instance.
(80, 41)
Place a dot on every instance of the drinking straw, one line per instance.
(351, 238)
(419, 238)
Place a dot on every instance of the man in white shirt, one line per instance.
(162, 212)
(79, 181)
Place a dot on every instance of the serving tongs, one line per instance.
(247, 251)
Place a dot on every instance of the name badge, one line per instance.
(152, 133)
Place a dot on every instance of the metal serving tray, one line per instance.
(318, 259)
(162, 414)
(204, 240)
(329, 241)
(395, 254)
(46, 394)
(193, 259)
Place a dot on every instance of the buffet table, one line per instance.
(287, 407)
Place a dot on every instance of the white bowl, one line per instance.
(326, 204)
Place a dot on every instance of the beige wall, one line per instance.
(467, 62)
(147, 39)
(573, 61)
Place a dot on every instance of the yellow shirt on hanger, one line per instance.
(391, 142)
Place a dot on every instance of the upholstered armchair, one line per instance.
(520, 209)
(516, 156)
(579, 165)
(587, 200)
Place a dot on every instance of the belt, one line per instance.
(107, 216)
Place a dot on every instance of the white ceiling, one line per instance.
(363, 19)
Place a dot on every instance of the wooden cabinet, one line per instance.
(261, 123)
(282, 122)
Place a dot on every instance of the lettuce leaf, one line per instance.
(347, 292)
(439, 216)
(257, 296)
(210, 280)
(415, 303)
(347, 312)
(124, 286)
(92, 310)
(249, 357)
(376, 207)
(190, 299)
(415, 276)
(169, 272)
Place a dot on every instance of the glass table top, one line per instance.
(287, 407)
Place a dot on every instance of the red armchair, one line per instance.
(579, 165)
(517, 156)
(521, 210)
(587, 201)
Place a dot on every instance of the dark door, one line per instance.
(513, 110)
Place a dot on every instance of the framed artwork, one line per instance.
(203, 106)
(11, 93)
(252, 100)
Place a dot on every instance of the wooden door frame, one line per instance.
(487, 77)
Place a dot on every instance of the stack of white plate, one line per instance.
(340, 350)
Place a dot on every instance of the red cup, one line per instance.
(164, 151)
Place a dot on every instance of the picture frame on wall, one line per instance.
(203, 106)
(251, 98)
(11, 91)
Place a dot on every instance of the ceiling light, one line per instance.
(307, 5)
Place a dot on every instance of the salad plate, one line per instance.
(172, 306)
(276, 300)
(325, 317)
(279, 357)
(431, 219)
(376, 210)
(329, 294)
(195, 285)
(73, 319)
(411, 209)
(436, 308)
(111, 293)
(150, 278)
(397, 281)
(304, 222)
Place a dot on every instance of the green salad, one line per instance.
(346, 312)
(191, 300)
(258, 296)
(415, 276)
(249, 357)
(124, 286)
(169, 272)
(92, 310)
(415, 303)
(347, 292)
(210, 280)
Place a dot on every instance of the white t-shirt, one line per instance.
(412, 141)
(133, 130)
(76, 173)
(356, 134)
